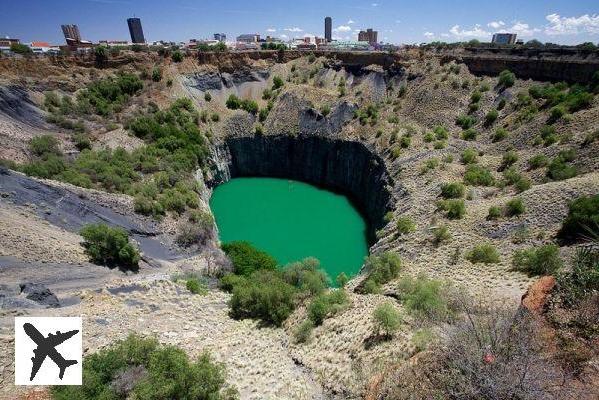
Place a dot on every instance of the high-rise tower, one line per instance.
(328, 29)
(137, 33)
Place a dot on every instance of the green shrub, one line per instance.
(326, 305)
(494, 213)
(193, 233)
(440, 234)
(20, 48)
(469, 134)
(469, 156)
(277, 82)
(454, 208)
(424, 298)
(381, 269)
(542, 260)
(560, 169)
(45, 145)
(195, 286)
(177, 56)
(491, 117)
(233, 102)
(515, 207)
(465, 121)
(303, 332)
(583, 280)
(548, 135)
(509, 159)
(454, 190)
(475, 96)
(306, 276)
(507, 78)
(247, 259)
(500, 134)
(590, 138)
(483, 253)
(109, 246)
(207, 96)
(169, 374)
(582, 220)
(386, 319)
(341, 280)
(405, 225)
(523, 184)
(441, 133)
(405, 142)
(429, 137)
(557, 112)
(156, 74)
(478, 176)
(262, 295)
(538, 161)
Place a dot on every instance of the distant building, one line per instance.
(248, 38)
(114, 43)
(368, 35)
(328, 29)
(71, 31)
(137, 33)
(346, 45)
(504, 38)
(220, 37)
(6, 42)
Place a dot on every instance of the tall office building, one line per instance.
(137, 34)
(328, 29)
(71, 31)
(504, 38)
(368, 35)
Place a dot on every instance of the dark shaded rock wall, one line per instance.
(347, 167)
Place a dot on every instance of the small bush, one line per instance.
(441, 133)
(515, 207)
(507, 78)
(405, 225)
(478, 176)
(542, 260)
(156, 74)
(109, 246)
(177, 56)
(538, 161)
(246, 258)
(405, 142)
(326, 305)
(207, 96)
(381, 269)
(494, 213)
(441, 234)
(469, 134)
(465, 121)
(523, 184)
(454, 190)
(304, 331)
(499, 135)
(44, 145)
(195, 286)
(469, 156)
(277, 82)
(386, 319)
(509, 159)
(341, 280)
(484, 253)
(454, 208)
(559, 169)
(491, 117)
(582, 221)
(424, 298)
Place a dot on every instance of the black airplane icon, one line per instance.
(46, 347)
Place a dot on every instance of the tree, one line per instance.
(109, 246)
(582, 221)
(507, 78)
(386, 319)
(177, 56)
(246, 258)
(20, 48)
(277, 82)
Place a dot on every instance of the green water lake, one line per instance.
(292, 220)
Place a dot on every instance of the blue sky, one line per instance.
(568, 22)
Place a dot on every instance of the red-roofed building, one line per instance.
(43, 48)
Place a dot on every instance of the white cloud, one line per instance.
(375, 4)
(445, 35)
(476, 32)
(523, 29)
(342, 28)
(559, 25)
(496, 24)
(294, 29)
(283, 36)
(271, 30)
(351, 21)
(429, 34)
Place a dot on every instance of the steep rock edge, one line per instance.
(348, 167)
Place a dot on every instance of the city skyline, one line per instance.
(563, 22)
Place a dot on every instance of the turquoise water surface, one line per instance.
(292, 220)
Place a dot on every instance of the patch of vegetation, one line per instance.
(507, 78)
(582, 281)
(177, 56)
(440, 234)
(405, 225)
(247, 259)
(234, 103)
(491, 117)
(499, 135)
(304, 331)
(509, 159)
(571, 98)
(538, 161)
(469, 156)
(387, 319)
(454, 208)
(465, 121)
(381, 269)
(277, 82)
(441, 133)
(325, 305)
(494, 213)
(109, 246)
(515, 207)
(560, 168)
(368, 115)
(582, 221)
(195, 286)
(478, 176)
(141, 368)
(469, 134)
(453, 190)
(483, 253)
(542, 260)
(425, 298)
(429, 165)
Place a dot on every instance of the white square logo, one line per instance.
(48, 351)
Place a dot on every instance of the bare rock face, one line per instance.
(40, 294)
(15, 102)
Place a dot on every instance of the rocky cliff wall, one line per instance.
(347, 167)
